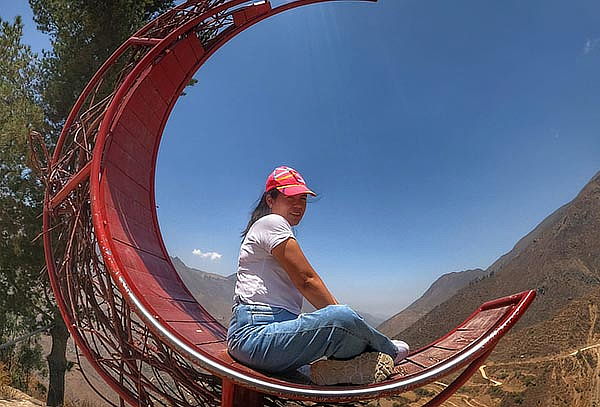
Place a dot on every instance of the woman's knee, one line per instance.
(345, 316)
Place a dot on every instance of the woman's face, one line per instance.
(292, 208)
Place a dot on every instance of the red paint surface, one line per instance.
(127, 228)
(246, 14)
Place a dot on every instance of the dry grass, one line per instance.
(6, 392)
(81, 403)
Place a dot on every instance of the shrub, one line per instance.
(4, 376)
(423, 392)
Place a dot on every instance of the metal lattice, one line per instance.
(136, 352)
(139, 365)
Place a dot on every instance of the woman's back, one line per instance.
(260, 277)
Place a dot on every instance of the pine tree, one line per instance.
(83, 34)
(38, 95)
(23, 300)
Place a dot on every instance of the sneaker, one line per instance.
(403, 350)
(370, 367)
(304, 371)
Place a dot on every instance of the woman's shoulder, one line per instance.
(272, 220)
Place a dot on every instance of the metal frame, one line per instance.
(145, 363)
(89, 291)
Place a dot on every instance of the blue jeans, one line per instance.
(275, 340)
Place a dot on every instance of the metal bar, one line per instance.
(23, 337)
(143, 41)
(237, 396)
(227, 393)
(78, 338)
(81, 176)
(510, 300)
(458, 382)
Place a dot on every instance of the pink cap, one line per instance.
(288, 181)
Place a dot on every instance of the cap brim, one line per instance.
(295, 190)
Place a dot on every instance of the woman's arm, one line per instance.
(305, 278)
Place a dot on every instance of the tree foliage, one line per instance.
(21, 260)
(23, 302)
(38, 95)
(22, 360)
(83, 35)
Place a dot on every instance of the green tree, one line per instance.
(83, 35)
(23, 305)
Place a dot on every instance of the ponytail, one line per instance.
(261, 209)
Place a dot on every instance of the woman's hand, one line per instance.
(305, 278)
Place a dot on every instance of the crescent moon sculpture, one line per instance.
(124, 304)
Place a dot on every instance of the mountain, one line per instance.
(371, 319)
(556, 343)
(560, 258)
(213, 291)
(442, 289)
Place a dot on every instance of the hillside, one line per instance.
(551, 357)
(560, 258)
(213, 291)
(442, 289)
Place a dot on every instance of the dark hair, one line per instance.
(261, 209)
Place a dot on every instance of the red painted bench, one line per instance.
(134, 273)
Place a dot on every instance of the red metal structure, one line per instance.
(128, 310)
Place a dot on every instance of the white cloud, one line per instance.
(207, 255)
(591, 45)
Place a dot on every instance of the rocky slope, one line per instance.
(442, 289)
(560, 258)
(555, 344)
(213, 291)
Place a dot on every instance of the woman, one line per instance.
(267, 329)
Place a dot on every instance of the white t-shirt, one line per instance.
(260, 278)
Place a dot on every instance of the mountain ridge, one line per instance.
(441, 289)
(215, 292)
(552, 355)
(560, 258)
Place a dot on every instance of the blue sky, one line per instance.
(437, 134)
